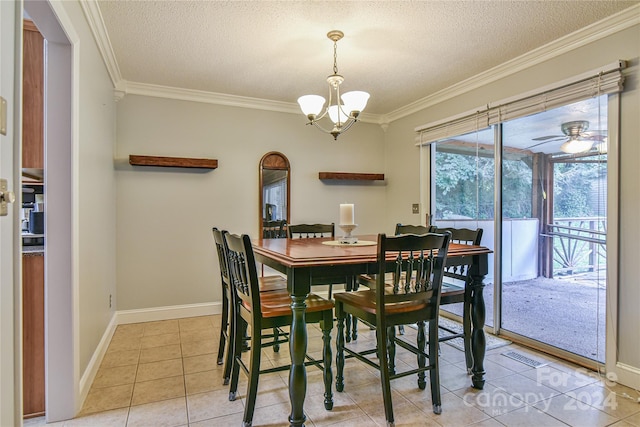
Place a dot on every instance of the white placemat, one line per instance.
(358, 243)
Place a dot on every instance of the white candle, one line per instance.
(346, 214)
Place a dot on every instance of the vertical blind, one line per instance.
(606, 80)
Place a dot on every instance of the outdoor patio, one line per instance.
(566, 312)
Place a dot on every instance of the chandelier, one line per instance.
(343, 110)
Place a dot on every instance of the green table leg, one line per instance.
(298, 349)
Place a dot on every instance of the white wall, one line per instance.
(523, 233)
(96, 185)
(401, 151)
(165, 252)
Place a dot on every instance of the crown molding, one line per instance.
(158, 91)
(96, 24)
(582, 37)
(613, 24)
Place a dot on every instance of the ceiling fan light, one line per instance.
(602, 147)
(311, 105)
(356, 100)
(574, 146)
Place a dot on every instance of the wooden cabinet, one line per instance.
(33, 334)
(33, 98)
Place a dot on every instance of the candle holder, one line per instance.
(347, 238)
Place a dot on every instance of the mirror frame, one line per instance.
(273, 160)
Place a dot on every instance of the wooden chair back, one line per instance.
(463, 236)
(417, 263)
(222, 259)
(274, 229)
(243, 274)
(413, 229)
(304, 231)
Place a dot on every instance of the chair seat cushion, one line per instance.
(366, 300)
(278, 303)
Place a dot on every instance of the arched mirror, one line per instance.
(275, 175)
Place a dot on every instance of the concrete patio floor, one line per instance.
(566, 312)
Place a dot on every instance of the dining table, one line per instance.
(313, 261)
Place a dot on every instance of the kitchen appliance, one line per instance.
(36, 222)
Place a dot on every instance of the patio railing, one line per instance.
(579, 244)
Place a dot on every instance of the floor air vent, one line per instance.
(524, 359)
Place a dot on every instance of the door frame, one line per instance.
(62, 370)
(10, 247)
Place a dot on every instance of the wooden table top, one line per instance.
(311, 252)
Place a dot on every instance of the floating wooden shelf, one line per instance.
(172, 162)
(351, 176)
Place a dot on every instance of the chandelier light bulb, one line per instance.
(356, 100)
(335, 112)
(311, 105)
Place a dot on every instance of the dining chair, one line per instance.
(413, 229)
(274, 229)
(266, 284)
(369, 281)
(225, 329)
(456, 289)
(417, 263)
(267, 310)
(311, 230)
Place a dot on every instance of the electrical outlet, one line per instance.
(415, 208)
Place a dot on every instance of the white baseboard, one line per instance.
(92, 368)
(137, 316)
(167, 313)
(627, 375)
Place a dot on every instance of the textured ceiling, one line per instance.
(398, 51)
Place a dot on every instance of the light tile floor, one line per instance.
(165, 374)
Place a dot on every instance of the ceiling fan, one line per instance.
(577, 138)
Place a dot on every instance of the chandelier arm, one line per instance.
(348, 124)
(316, 124)
(321, 116)
(347, 114)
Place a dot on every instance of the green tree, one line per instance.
(465, 183)
(573, 189)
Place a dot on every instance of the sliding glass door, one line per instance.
(554, 227)
(551, 220)
(463, 188)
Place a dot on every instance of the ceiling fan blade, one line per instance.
(594, 137)
(542, 143)
(544, 138)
